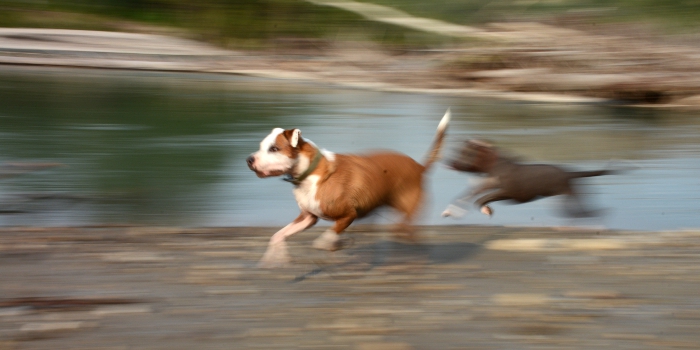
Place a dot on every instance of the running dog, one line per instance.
(507, 179)
(339, 187)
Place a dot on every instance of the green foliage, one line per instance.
(674, 15)
(239, 23)
(255, 23)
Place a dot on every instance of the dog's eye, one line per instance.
(273, 149)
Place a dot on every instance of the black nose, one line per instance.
(250, 160)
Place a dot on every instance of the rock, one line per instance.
(383, 346)
(121, 309)
(520, 299)
(53, 326)
(556, 244)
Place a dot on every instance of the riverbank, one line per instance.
(462, 287)
(514, 61)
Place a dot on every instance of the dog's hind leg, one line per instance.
(409, 204)
(329, 239)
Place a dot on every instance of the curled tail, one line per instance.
(434, 153)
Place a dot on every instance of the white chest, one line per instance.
(305, 195)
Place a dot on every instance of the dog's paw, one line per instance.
(328, 240)
(276, 256)
(487, 210)
(454, 211)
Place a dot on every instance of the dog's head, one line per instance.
(278, 154)
(475, 156)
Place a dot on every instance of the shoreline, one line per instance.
(435, 72)
(289, 75)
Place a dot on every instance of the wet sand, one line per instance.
(462, 287)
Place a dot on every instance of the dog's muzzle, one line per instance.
(251, 165)
(250, 161)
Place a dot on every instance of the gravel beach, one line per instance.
(462, 287)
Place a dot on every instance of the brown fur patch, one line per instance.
(282, 142)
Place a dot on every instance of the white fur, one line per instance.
(454, 211)
(326, 241)
(269, 140)
(295, 137)
(305, 195)
(302, 164)
(266, 161)
(276, 254)
(330, 156)
(445, 120)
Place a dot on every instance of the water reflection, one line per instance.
(169, 149)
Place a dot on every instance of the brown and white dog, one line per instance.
(339, 187)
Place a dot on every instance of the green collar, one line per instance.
(314, 163)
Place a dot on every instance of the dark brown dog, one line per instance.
(509, 180)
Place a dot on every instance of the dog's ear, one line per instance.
(293, 136)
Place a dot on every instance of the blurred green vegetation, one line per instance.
(257, 23)
(238, 23)
(666, 15)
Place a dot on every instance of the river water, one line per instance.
(169, 149)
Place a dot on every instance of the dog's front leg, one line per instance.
(491, 197)
(456, 210)
(490, 183)
(276, 254)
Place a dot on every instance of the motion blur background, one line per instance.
(159, 145)
(126, 202)
(255, 23)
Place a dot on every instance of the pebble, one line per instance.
(52, 326)
(121, 309)
(520, 299)
(556, 244)
(496, 299)
(384, 346)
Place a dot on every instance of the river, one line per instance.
(169, 149)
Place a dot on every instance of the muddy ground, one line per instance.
(462, 287)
